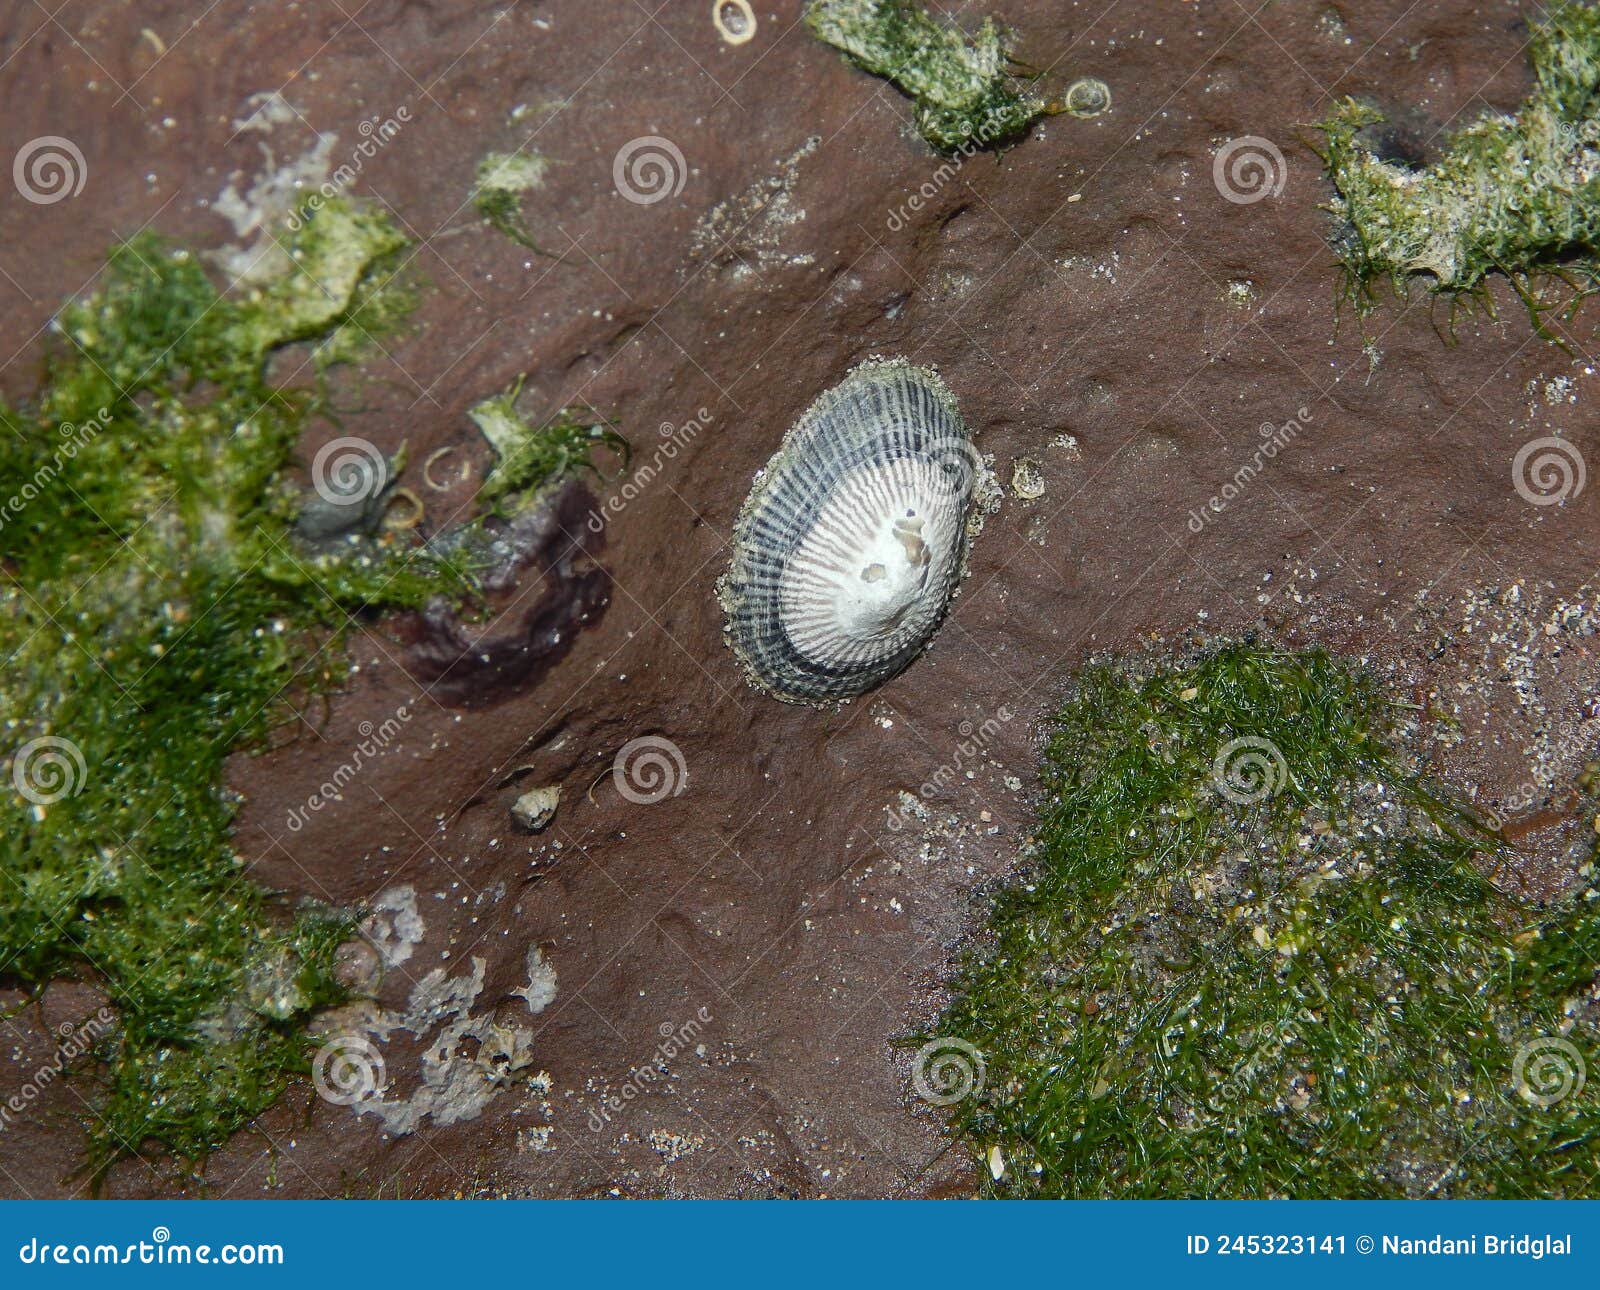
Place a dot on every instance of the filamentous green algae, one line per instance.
(1253, 953)
(153, 608)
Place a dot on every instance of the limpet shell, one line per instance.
(853, 538)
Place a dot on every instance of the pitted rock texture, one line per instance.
(1099, 307)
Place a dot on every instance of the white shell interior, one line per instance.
(871, 574)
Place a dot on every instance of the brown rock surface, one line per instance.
(1098, 307)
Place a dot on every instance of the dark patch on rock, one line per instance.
(470, 670)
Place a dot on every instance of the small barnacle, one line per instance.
(404, 510)
(734, 20)
(463, 472)
(534, 809)
(1027, 480)
(1087, 97)
(851, 543)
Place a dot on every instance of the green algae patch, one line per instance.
(501, 180)
(338, 261)
(1517, 195)
(153, 608)
(1253, 954)
(964, 88)
(528, 456)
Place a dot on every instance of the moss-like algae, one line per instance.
(498, 185)
(153, 608)
(965, 91)
(1517, 195)
(528, 455)
(1300, 987)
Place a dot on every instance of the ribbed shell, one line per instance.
(851, 542)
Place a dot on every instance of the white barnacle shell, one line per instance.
(853, 538)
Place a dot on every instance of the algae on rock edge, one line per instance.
(153, 607)
(1253, 955)
(1518, 194)
(964, 91)
(526, 456)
